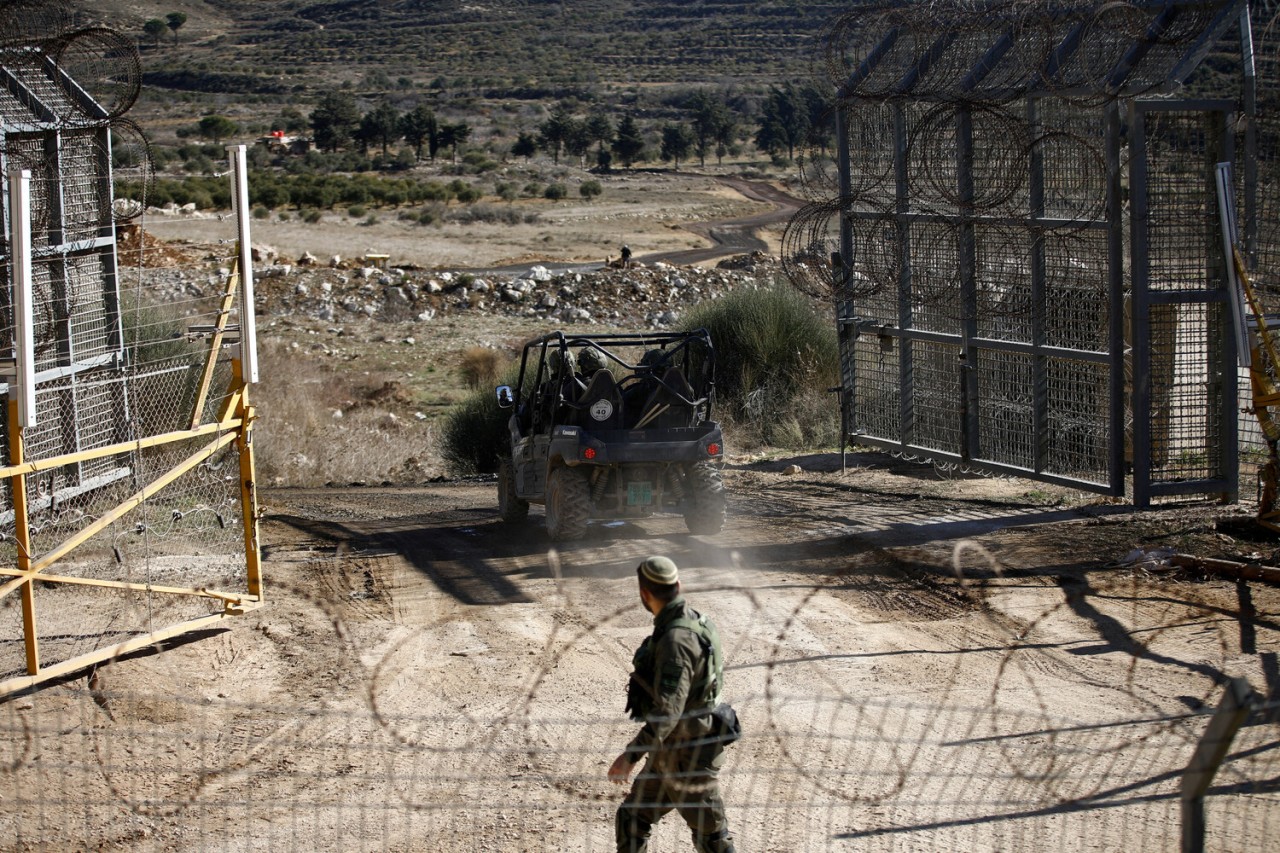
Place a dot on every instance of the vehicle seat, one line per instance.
(665, 409)
(601, 389)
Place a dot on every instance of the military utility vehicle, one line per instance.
(613, 427)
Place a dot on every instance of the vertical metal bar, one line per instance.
(1140, 321)
(906, 351)
(1039, 298)
(22, 392)
(1116, 298)
(1250, 108)
(248, 322)
(1230, 239)
(1208, 757)
(23, 312)
(845, 333)
(55, 193)
(110, 263)
(1224, 386)
(967, 256)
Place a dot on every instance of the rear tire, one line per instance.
(568, 504)
(511, 508)
(707, 501)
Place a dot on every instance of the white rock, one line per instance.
(538, 273)
(326, 286)
(429, 314)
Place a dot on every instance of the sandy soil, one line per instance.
(921, 661)
(428, 678)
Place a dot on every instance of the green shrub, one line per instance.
(475, 434)
(555, 192)
(590, 189)
(776, 354)
(356, 211)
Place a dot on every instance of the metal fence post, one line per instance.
(1208, 757)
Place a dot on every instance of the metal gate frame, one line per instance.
(969, 346)
(231, 425)
(1220, 398)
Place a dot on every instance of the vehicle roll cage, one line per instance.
(691, 352)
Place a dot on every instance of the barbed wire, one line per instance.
(987, 763)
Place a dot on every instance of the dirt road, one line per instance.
(427, 678)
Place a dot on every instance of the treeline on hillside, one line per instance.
(385, 138)
(790, 117)
(309, 193)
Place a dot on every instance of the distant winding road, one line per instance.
(734, 236)
(728, 236)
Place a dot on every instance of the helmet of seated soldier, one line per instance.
(590, 360)
(561, 362)
(653, 359)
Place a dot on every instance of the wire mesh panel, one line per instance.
(126, 492)
(989, 139)
(988, 274)
(1185, 375)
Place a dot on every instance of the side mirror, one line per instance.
(505, 398)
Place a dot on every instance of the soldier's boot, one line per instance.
(718, 842)
(632, 833)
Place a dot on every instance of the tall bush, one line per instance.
(776, 354)
(475, 432)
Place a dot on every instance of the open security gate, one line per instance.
(1030, 277)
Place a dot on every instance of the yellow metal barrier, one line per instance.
(233, 426)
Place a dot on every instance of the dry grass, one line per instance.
(322, 425)
(480, 367)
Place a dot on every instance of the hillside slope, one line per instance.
(539, 46)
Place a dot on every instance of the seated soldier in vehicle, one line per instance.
(651, 366)
(560, 385)
(590, 360)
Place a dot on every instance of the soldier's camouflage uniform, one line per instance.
(683, 760)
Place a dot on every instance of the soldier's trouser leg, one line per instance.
(700, 805)
(644, 806)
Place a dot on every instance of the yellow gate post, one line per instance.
(22, 538)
